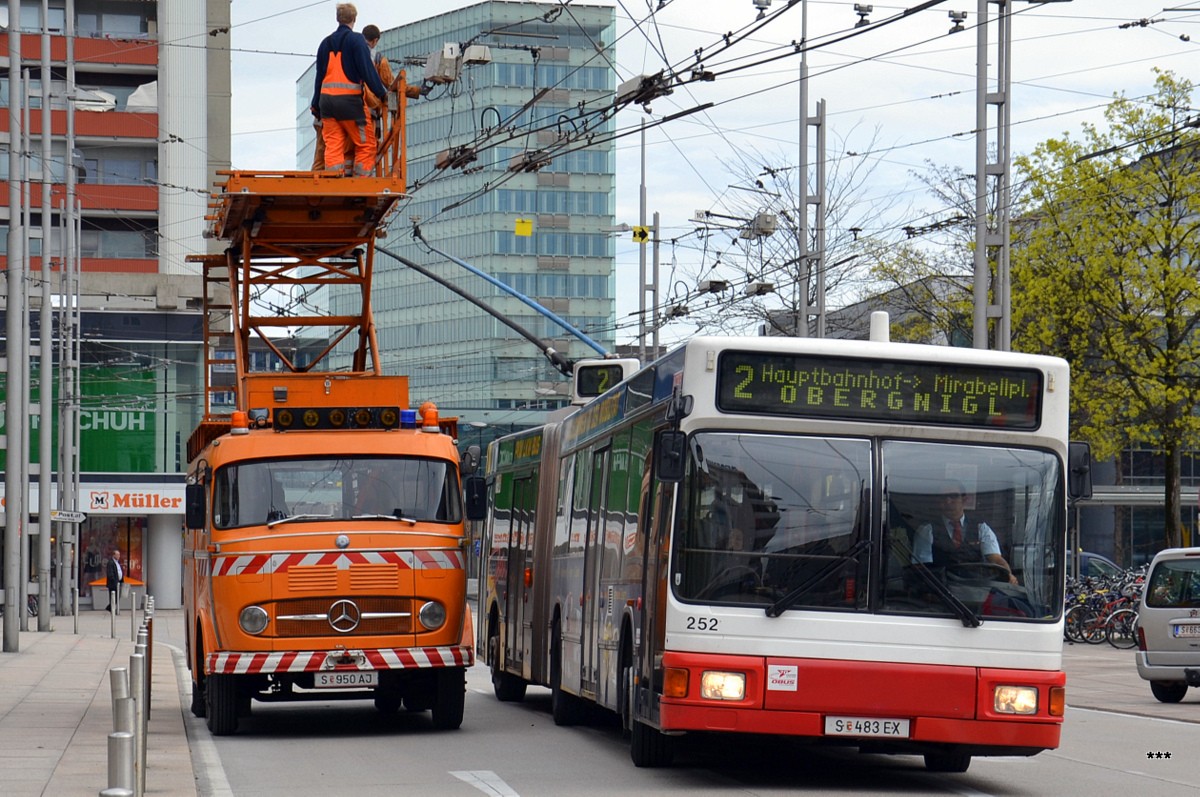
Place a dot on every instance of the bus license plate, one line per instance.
(345, 679)
(1187, 630)
(866, 726)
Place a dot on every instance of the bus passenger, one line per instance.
(952, 538)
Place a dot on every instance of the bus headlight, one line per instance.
(432, 615)
(1015, 700)
(253, 619)
(717, 685)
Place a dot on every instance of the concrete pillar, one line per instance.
(163, 568)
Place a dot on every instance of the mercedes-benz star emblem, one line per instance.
(344, 616)
(342, 541)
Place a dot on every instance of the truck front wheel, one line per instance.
(221, 703)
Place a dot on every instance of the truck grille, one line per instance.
(303, 617)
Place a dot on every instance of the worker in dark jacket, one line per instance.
(344, 67)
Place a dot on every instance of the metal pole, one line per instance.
(819, 257)
(45, 417)
(1004, 152)
(642, 256)
(120, 762)
(979, 315)
(654, 290)
(14, 473)
(22, 394)
(802, 183)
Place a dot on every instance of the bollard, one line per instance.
(143, 642)
(132, 615)
(118, 682)
(137, 689)
(116, 793)
(120, 760)
(112, 617)
(124, 715)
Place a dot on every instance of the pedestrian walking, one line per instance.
(114, 576)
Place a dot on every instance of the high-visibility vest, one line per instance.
(336, 82)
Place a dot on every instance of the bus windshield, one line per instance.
(268, 492)
(789, 522)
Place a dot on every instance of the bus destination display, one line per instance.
(878, 390)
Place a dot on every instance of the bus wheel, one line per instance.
(221, 694)
(625, 699)
(564, 708)
(951, 760)
(648, 747)
(198, 699)
(508, 688)
(450, 700)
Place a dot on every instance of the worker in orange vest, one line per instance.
(344, 69)
(378, 105)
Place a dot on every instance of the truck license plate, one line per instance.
(345, 679)
(866, 726)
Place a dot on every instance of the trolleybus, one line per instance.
(751, 535)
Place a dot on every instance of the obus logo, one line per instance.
(106, 500)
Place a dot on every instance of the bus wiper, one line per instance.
(964, 613)
(302, 516)
(780, 606)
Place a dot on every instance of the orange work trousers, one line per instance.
(345, 136)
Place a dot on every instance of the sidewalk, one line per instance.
(56, 710)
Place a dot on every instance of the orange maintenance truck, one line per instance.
(325, 544)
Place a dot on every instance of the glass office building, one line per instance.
(455, 353)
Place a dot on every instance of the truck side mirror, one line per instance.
(475, 493)
(195, 515)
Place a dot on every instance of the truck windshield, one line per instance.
(344, 488)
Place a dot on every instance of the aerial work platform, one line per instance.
(290, 235)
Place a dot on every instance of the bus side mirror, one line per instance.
(1079, 470)
(670, 450)
(475, 492)
(194, 514)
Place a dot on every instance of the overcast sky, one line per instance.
(907, 86)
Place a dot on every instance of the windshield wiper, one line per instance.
(382, 516)
(783, 604)
(960, 609)
(302, 516)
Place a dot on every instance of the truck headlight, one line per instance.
(1015, 699)
(718, 685)
(253, 619)
(432, 615)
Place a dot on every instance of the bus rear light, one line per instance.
(675, 682)
(717, 685)
(1015, 699)
(1058, 701)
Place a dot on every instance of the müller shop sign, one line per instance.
(126, 501)
(123, 499)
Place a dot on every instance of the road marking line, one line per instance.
(487, 782)
(210, 774)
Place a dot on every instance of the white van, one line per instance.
(1168, 633)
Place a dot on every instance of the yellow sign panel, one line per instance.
(524, 228)
(641, 234)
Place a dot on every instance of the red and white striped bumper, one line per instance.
(322, 660)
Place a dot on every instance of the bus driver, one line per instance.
(952, 538)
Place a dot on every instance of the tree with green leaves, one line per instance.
(1105, 275)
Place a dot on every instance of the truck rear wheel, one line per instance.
(221, 694)
(451, 699)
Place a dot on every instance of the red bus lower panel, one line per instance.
(794, 697)
(318, 660)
